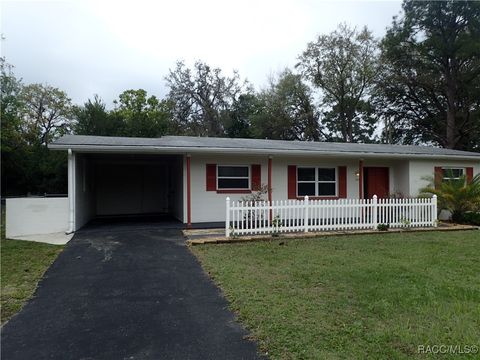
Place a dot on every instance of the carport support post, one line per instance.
(360, 179)
(189, 194)
(71, 191)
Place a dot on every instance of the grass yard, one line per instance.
(23, 263)
(354, 297)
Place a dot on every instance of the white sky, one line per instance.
(106, 47)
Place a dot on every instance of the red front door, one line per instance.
(376, 182)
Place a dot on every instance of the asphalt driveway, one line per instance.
(131, 292)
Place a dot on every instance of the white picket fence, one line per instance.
(280, 216)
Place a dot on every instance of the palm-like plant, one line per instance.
(458, 196)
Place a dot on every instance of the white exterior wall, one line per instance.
(400, 178)
(35, 216)
(209, 206)
(421, 169)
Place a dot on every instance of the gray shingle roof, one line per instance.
(190, 143)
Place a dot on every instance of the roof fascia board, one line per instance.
(249, 151)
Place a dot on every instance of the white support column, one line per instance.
(374, 212)
(71, 191)
(227, 218)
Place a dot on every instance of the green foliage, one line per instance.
(142, 115)
(94, 119)
(47, 113)
(201, 96)
(471, 218)
(429, 88)
(343, 66)
(456, 195)
(238, 119)
(383, 227)
(136, 114)
(31, 116)
(13, 144)
(287, 110)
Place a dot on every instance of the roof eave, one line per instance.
(249, 151)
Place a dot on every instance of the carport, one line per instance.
(108, 185)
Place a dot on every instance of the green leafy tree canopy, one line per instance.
(342, 65)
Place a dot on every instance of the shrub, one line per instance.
(457, 196)
(471, 218)
(383, 227)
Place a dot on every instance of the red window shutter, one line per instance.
(292, 182)
(256, 177)
(438, 171)
(211, 177)
(469, 174)
(342, 182)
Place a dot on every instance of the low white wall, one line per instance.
(31, 216)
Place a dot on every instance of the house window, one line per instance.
(452, 174)
(233, 177)
(316, 181)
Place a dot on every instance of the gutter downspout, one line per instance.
(189, 194)
(71, 191)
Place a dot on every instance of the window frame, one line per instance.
(451, 169)
(249, 177)
(317, 182)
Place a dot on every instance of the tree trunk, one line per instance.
(451, 138)
(451, 91)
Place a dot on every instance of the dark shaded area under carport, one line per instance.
(119, 292)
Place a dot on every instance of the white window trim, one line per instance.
(453, 168)
(316, 181)
(235, 177)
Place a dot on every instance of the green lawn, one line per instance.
(23, 263)
(354, 297)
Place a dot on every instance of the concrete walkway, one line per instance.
(126, 293)
(53, 238)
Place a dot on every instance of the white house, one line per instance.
(190, 177)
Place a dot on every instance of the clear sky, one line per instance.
(104, 47)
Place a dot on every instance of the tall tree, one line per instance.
(11, 108)
(48, 113)
(430, 85)
(28, 165)
(287, 110)
(94, 119)
(143, 115)
(237, 120)
(342, 65)
(13, 145)
(200, 96)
